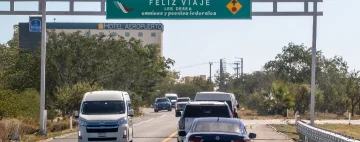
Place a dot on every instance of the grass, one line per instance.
(252, 114)
(289, 130)
(350, 130)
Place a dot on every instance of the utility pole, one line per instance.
(221, 75)
(237, 69)
(242, 68)
(210, 63)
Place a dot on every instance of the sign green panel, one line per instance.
(178, 9)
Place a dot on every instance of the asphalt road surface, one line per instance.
(162, 127)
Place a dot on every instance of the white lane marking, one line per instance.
(149, 120)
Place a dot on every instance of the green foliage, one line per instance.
(25, 104)
(186, 90)
(68, 97)
(77, 63)
(286, 80)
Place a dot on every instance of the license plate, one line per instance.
(101, 134)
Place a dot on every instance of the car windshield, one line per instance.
(103, 107)
(210, 126)
(183, 100)
(162, 100)
(172, 98)
(207, 111)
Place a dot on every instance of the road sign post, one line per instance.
(178, 9)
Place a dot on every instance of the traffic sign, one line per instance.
(179, 9)
(34, 25)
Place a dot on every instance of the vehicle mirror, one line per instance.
(131, 112)
(236, 115)
(237, 106)
(252, 135)
(178, 113)
(76, 114)
(182, 133)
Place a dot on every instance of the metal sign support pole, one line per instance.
(313, 67)
(43, 65)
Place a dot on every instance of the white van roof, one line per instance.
(171, 95)
(103, 95)
(221, 96)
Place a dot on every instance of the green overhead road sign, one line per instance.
(178, 9)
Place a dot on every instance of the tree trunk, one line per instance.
(352, 109)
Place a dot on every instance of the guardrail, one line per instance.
(309, 133)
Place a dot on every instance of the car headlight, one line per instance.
(82, 122)
(122, 121)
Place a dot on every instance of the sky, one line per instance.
(195, 43)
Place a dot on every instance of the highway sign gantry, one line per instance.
(179, 9)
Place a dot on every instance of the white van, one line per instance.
(172, 98)
(105, 116)
(229, 98)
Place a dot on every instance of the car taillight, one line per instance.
(195, 140)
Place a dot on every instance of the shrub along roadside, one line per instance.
(9, 128)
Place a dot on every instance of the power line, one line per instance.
(192, 65)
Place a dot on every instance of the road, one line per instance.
(161, 127)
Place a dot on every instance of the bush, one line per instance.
(25, 104)
(69, 97)
(9, 129)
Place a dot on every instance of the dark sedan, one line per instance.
(215, 129)
(162, 104)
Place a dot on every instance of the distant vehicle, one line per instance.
(162, 104)
(105, 115)
(181, 103)
(195, 110)
(212, 129)
(127, 98)
(229, 98)
(172, 98)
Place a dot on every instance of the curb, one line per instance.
(280, 132)
(58, 137)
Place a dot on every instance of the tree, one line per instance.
(73, 58)
(186, 90)
(69, 97)
(294, 64)
(204, 85)
(14, 42)
(353, 89)
(283, 99)
(223, 82)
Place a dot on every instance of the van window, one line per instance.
(103, 107)
(171, 97)
(183, 100)
(206, 111)
(161, 100)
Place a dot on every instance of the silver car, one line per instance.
(217, 129)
